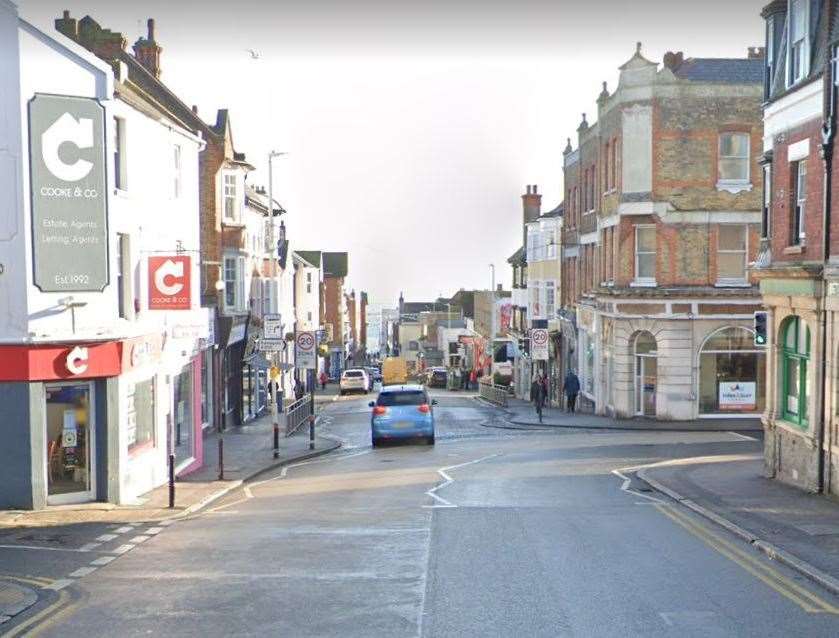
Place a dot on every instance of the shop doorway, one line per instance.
(71, 444)
(646, 374)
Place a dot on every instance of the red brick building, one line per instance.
(662, 217)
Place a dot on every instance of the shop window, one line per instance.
(141, 409)
(184, 440)
(732, 373)
(795, 382)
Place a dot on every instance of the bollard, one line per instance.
(220, 459)
(171, 481)
(312, 432)
(276, 440)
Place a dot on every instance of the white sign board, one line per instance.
(738, 396)
(539, 344)
(305, 356)
(272, 334)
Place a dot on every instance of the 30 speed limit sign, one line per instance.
(539, 344)
(304, 351)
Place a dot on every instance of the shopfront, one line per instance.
(71, 442)
(732, 374)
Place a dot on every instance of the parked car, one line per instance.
(402, 412)
(436, 378)
(354, 380)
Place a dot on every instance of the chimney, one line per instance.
(673, 60)
(68, 26)
(147, 51)
(195, 109)
(532, 208)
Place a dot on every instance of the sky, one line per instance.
(412, 128)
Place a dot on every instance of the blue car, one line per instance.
(402, 412)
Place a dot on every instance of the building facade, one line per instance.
(663, 208)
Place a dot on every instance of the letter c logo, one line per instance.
(67, 129)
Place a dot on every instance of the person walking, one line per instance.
(537, 395)
(299, 390)
(571, 388)
(323, 379)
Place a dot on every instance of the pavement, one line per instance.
(522, 413)
(791, 526)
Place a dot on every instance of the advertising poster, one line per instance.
(738, 396)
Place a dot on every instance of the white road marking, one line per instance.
(106, 537)
(448, 480)
(743, 437)
(166, 523)
(139, 539)
(81, 572)
(58, 585)
(123, 530)
(104, 560)
(46, 549)
(122, 549)
(89, 547)
(154, 530)
(627, 482)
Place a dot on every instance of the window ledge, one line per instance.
(643, 283)
(232, 224)
(736, 283)
(733, 186)
(795, 249)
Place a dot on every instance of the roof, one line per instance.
(725, 70)
(559, 211)
(253, 196)
(335, 264)
(309, 256)
(518, 257)
(414, 307)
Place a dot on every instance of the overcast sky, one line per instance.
(412, 127)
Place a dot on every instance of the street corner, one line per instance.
(15, 598)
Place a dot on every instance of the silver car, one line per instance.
(354, 380)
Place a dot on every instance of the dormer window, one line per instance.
(798, 55)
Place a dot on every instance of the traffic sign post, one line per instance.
(305, 355)
(539, 344)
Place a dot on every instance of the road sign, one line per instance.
(539, 344)
(272, 334)
(305, 356)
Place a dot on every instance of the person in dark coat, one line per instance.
(571, 388)
(537, 395)
(299, 390)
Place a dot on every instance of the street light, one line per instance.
(274, 257)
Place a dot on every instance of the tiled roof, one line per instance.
(727, 70)
(517, 257)
(559, 211)
(335, 264)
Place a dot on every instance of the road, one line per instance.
(491, 532)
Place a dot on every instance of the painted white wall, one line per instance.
(308, 299)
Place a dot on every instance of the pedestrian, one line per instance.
(537, 395)
(473, 378)
(323, 380)
(571, 388)
(299, 390)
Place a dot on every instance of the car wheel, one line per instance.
(430, 440)
(376, 443)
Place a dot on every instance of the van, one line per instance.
(394, 371)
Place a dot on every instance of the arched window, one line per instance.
(732, 373)
(795, 383)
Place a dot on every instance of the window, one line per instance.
(732, 373)
(231, 204)
(232, 297)
(770, 57)
(140, 430)
(551, 244)
(535, 308)
(123, 283)
(550, 299)
(766, 219)
(177, 170)
(731, 257)
(120, 155)
(309, 317)
(645, 241)
(309, 283)
(734, 158)
(607, 173)
(799, 175)
(798, 41)
(795, 356)
(614, 177)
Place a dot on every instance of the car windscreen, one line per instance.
(353, 373)
(392, 399)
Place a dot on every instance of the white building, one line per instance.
(102, 328)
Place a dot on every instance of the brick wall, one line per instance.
(333, 290)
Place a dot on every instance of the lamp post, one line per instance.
(275, 418)
(492, 322)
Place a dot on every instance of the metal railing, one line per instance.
(496, 394)
(298, 414)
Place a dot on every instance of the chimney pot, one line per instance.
(66, 14)
(528, 189)
(150, 24)
(195, 109)
(535, 189)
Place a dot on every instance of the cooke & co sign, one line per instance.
(68, 189)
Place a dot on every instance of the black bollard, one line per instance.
(171, 481)
(220, 459)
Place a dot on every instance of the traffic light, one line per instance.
(761, 327)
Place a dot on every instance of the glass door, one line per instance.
(70, 452)
(646, 379)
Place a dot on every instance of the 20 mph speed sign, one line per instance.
(304, 351)
(539, 344)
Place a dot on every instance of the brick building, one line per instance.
(799, 278)
(662, 217)
(335, 269)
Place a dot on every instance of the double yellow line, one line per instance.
(807, 600)
(47, 616)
